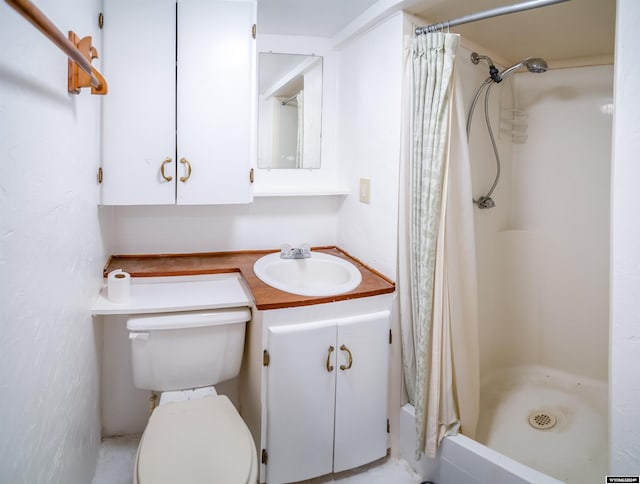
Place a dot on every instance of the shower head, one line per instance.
(533, 64)
(536, 65)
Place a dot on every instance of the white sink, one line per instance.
(320, 275)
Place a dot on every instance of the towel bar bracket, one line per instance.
(79, 79)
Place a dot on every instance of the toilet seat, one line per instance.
(196, 441)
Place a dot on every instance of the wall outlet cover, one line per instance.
(365, 190)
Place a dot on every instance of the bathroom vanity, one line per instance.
(322, 376)
(314, 381)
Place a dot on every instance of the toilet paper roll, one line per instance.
(118, 286)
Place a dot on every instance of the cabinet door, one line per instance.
(138, 58)
(361, 391)
(300, 401)
(216, 60)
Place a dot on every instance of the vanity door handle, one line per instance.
(186, 162)
(166, 160)
(344, 348)
(329, 365)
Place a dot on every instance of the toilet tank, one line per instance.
(179, 351)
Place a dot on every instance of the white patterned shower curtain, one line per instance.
(436, 258)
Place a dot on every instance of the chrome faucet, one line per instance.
(288, 252)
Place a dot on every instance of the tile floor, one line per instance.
(116, 459)
(117, 456)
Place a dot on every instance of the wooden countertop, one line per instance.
(266, 297)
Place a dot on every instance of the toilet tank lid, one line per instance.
(189, 319)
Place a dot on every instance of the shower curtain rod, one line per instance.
(494, 12)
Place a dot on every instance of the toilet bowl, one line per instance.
(201, 441)
(194, 436)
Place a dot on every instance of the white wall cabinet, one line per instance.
(326, 396)
(178, 121)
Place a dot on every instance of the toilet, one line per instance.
(194, 435)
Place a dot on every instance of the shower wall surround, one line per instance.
(561, 200)
(543, 252)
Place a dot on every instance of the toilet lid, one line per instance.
(196, 441)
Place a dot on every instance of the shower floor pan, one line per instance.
(551, 421)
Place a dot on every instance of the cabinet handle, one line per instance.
(344, 348)
(186, 162)
(166, 160)
(329, 365)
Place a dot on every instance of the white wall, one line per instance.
(266, 223)
(51, 254)
(370, 102)
(625, 241)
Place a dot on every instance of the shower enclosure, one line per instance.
(543, 263)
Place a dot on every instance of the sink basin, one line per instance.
(320, 275)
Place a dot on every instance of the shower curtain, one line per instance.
(436, 259)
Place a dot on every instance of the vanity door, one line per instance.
(326, 396)
(301, 393)
(362, 365)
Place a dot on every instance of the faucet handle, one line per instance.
(305, 249)
(285, 251)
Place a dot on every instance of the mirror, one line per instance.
(289, 110)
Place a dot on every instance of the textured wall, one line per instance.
(51, 253)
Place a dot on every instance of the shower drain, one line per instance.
(542, 420)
